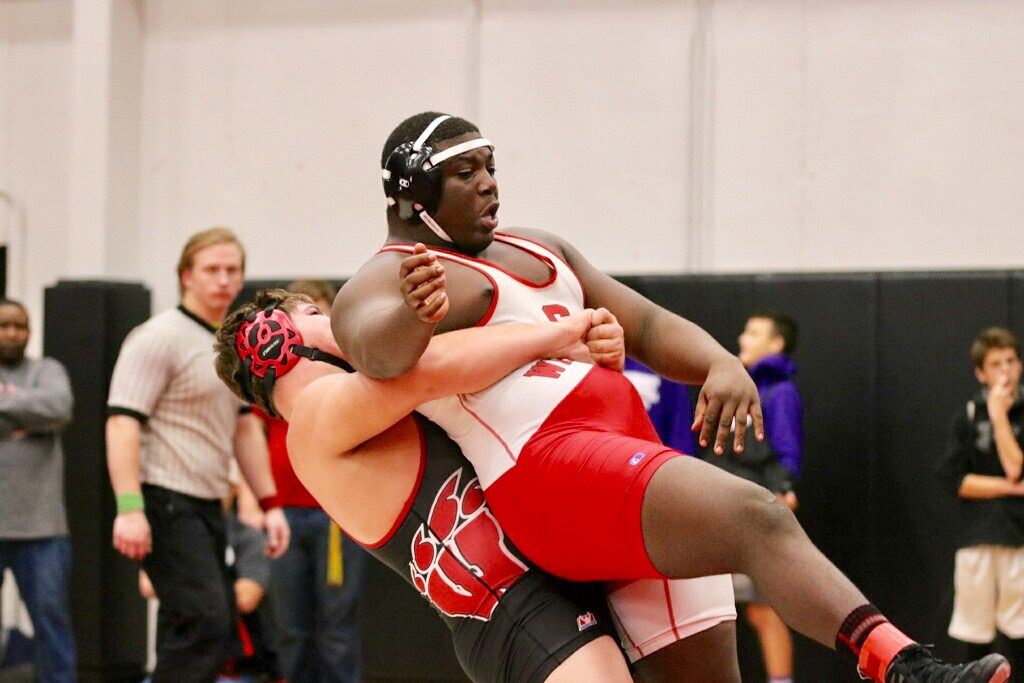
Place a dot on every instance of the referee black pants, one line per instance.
(196, 621)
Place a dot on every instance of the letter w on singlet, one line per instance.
(459, 559)
(543, 368)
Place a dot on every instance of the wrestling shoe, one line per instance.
(916, 664)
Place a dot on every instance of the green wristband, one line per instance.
(130, 502)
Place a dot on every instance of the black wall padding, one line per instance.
(85, 323)
(836, 317)
(836, 354)
(403, 640)
(884, 366)
(1017, 302)
(925, 328)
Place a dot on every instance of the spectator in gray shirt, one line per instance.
(35, 406)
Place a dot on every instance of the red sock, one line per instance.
(872, 640)
(880, 648)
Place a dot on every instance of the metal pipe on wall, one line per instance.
(699, 180)
(16, 241)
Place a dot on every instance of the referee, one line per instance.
(171, 431)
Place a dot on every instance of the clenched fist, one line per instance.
(132, 536)
(423, 285)
(606, 340)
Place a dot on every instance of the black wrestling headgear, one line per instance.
(412, 176)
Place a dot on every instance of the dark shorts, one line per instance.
(538, 624)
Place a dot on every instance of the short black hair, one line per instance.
(4, 301)
(784, 326)
(410, 129)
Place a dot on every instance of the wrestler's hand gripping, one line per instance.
(423, 282)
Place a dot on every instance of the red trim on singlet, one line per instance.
(412, 496)
(486, 426)
(486, 317)
(545, 247)
(622, 627)
(540, 257)
(494, 299)
(671, 612)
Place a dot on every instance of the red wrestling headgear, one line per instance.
(265, 343)
(269, 346)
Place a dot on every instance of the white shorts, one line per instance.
(989, 582)
(650, 614)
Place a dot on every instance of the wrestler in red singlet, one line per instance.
(527, 437)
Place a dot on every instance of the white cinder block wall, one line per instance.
(660, 136)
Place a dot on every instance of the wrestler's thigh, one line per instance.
(599, 660)
(705, 657)
(699, 520)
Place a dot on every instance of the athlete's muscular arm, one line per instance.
(384, 316)
(365, 492)
(673, 347)
(344, 410)
(379, 334)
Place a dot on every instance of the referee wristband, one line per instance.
(269, 502)
(130, 502)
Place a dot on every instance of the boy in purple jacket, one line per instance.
(765, 345)
(767, 342)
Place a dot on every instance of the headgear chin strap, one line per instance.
(269, 346)
(412, 176)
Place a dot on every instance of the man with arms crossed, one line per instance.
(171, 432)
(35, 407)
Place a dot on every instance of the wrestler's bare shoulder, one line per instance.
(374, 279)
(326, 409)
(542, 237)
(312, 417)
(362, 488)
(382, 266)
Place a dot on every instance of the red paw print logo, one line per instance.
(459, 559)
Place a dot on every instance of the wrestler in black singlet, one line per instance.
(509, 620)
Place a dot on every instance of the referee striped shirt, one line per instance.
(165, 378)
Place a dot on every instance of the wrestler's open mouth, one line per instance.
(490, 216)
